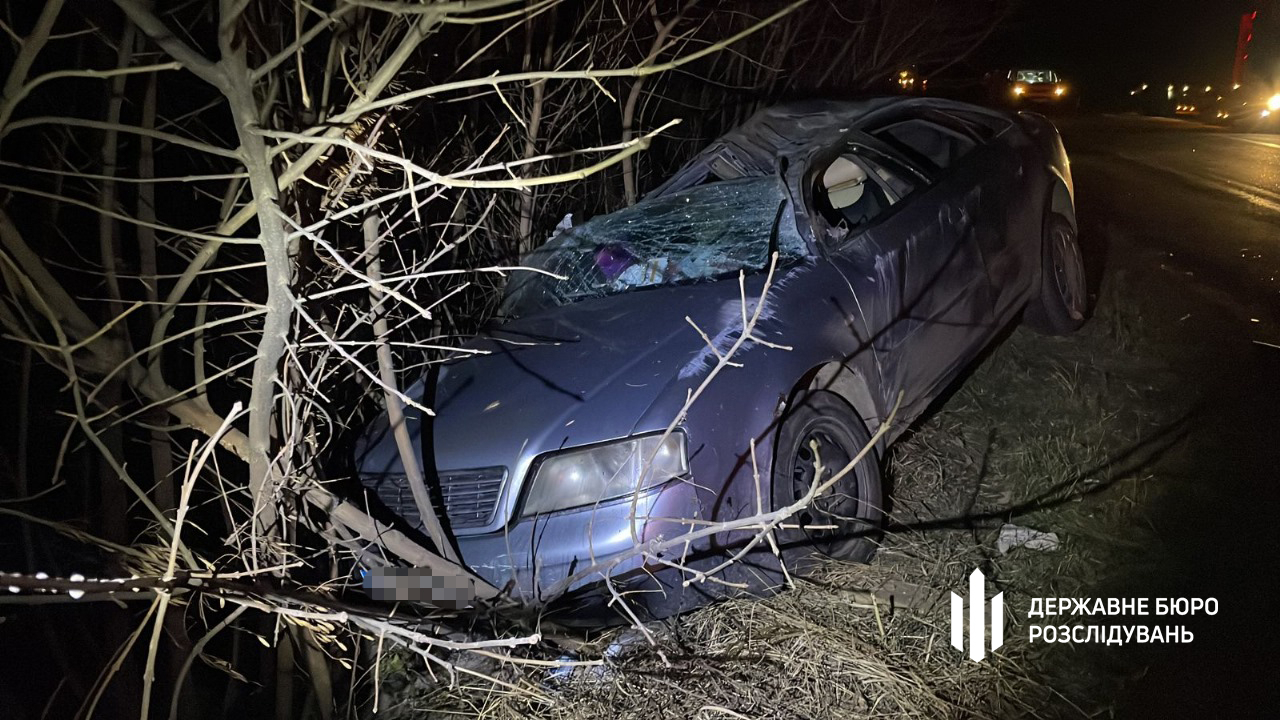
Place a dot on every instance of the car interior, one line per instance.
(855, 189)
(851, 193)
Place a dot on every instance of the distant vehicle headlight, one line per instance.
(605, 472)
(1273, 102)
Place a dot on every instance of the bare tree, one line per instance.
(296, 208)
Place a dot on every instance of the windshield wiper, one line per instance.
(777, 219)
(773, 233)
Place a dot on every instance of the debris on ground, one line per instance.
(1015, 536)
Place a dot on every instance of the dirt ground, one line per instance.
(1127, 440)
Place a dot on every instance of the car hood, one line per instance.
(579, 374)
(584, 373)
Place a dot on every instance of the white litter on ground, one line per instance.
(1014, 536)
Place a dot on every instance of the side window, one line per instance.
(927, 143)
(858, 187)
(982, 126)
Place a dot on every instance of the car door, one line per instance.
(996, 169)
(1008, 224)
(921, 286)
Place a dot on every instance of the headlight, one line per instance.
(1059, 90)
(1273, 102)
(1019, 89)
(605, 472)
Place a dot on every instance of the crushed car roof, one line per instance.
(791, 132)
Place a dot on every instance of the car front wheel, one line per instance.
(1063, 300)
(819, 437)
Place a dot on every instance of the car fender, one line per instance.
(739, 409)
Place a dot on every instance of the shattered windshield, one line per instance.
(706, 232)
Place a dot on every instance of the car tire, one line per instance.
(853, 505)
(1062, 304)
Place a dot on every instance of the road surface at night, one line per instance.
(1188, 216)
(1204, 199)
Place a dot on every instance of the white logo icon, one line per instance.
(977, 619)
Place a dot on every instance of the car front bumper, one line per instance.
(1040, 98)
(536, 558)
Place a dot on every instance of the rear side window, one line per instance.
(926, 143)
(984, 126)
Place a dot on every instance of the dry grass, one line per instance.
(1049, 433)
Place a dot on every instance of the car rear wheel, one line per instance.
(821, 429)
(1060, 308)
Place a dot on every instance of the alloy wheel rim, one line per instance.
(1068, 272)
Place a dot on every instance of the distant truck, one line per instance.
(1254, 100)
(1182, 99)
(1253, 106)
(1249, 102)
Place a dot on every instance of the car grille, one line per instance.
(470, 496)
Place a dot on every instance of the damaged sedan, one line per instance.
(693, 361)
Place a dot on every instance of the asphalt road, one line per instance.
(1205, 197)
(1190, 214)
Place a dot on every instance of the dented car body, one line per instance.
(908, 232)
